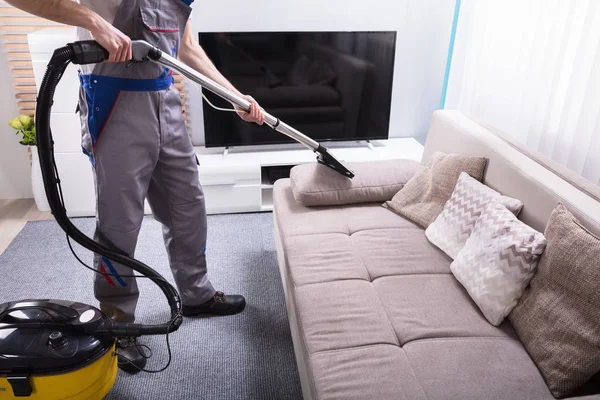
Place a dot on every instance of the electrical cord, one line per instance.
(199, 89)
(141, 348)
(150, 371)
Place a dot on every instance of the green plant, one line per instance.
(24, 126)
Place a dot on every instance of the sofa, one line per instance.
(374, 310)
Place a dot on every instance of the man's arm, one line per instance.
(68, 12)
(193, 55)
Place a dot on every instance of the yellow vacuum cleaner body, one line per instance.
(46, 354)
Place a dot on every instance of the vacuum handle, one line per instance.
(56, 310)
(88, 52)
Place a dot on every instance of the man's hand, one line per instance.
(113, 40)
(255, 114)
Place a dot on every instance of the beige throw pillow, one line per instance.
(558, 317)
(498, 261)
(454, 225)
(423, 197)
(314, 184)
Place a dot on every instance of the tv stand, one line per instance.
(242, 181)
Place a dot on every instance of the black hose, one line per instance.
(56, 67)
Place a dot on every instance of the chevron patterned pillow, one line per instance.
(498, 261)
(454, 225)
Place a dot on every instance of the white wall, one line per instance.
(15, 172)
(423, 28)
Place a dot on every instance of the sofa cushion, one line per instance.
(369, 372)
(498, 261)
(323, 257)
(475, 368)
(426, 306)
(317, 185)
(399, 250)
(558, 317)
(342, 314)
(423, 197)
(454, 225)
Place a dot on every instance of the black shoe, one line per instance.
(220, 304)
(132, 356)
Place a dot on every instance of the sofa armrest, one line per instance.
(375, 181)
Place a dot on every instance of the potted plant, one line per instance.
(25, 129)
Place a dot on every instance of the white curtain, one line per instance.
(531, 68)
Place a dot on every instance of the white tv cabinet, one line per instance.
(232, 182)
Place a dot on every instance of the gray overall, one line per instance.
(135, 135)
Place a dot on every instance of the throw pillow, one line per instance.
(454, 225)
(558, 317)
(498, 261)
(422, 199)
(314, 184)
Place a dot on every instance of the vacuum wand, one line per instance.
(143, 51)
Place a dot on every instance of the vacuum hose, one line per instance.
(88, 52)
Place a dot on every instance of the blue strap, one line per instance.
(131, 85)
(101, 93)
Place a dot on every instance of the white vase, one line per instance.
(37, 183)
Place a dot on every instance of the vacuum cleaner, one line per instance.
(58, 349)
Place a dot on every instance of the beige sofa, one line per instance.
(374, 310)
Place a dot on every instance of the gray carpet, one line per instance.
(246, 356)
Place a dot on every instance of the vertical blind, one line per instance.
(532, 69)
(14, 27)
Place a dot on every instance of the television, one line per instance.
(331, 86)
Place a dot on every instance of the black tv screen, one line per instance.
(331, 86)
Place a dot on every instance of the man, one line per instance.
(135, 136)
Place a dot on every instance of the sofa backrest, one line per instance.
(514, 171)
